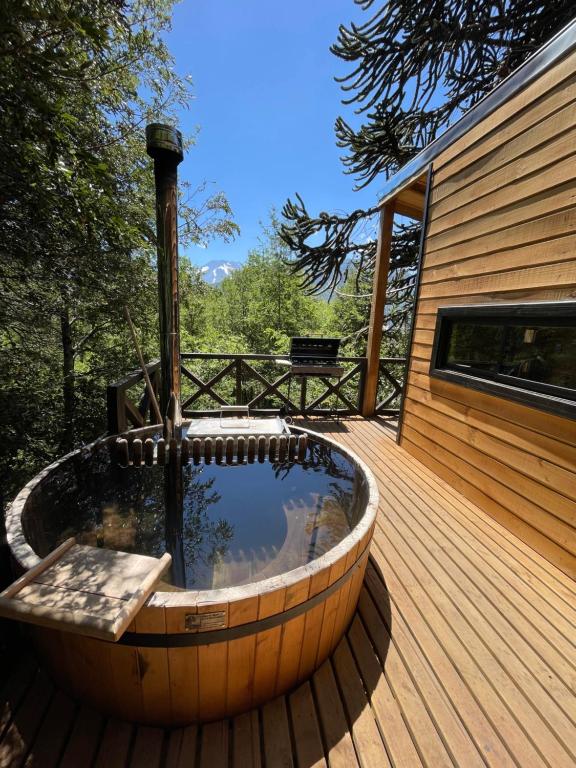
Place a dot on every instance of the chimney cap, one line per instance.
(162, 139)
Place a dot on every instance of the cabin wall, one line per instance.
(502, 228)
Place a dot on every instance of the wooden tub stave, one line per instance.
(174, 685)
(203, 655)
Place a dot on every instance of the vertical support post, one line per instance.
(361, 386)
(303, 392)
(164, 144)
(239, 381)
(116, 409)
(377, 309)
(154, 382)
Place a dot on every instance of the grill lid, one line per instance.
(314, 350)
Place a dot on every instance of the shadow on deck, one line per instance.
(460, 654)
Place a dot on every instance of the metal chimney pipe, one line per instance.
(164, 145)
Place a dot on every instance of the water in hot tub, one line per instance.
(223, 525)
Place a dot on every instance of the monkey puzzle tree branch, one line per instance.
(324, 266)
(405, 56)
(415, 68)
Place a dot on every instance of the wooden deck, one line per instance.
(461, 654)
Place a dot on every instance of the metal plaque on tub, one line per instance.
(202, 622)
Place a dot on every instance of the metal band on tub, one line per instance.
(191, 638)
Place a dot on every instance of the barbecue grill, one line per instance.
(309, 357)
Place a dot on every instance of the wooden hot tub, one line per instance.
(200, 655)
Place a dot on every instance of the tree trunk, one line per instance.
(68, 382)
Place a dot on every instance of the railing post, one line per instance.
(377, 308)
(116, 410)
(239, 381)
(155, 381)
(361, 385)
(303, 390)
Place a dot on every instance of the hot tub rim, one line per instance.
(25, 557)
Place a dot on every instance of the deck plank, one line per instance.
(417, 717)
(553, 625)
(182, 746)
(503, 612)
(147, 751)
(246, 739)
(447, 719)
(364, 728)
(480, 665)
(214, 745)
(307, 737)
(277, 742)
(461, 654)
(502, 620)
(53, 733)
(114, 746)
(84, 739)
(450, 589)
(338, 742)
(19, 736)
(425, 478)
(423, 499)
(14, 690)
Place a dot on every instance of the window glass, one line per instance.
(528, 351)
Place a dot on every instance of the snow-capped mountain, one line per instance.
(215, 271)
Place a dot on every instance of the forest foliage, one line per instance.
(78, 82)
(413, 69)
(258, 308)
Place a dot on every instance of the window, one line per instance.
(525, 352)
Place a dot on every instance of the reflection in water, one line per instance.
(223, 525)
(205, 537)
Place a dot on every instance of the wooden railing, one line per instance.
(124, 412)
(262, 382)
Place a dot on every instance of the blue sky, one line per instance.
(265, 102)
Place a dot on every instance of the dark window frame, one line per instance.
(546, 397)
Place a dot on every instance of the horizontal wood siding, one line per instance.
(502, 228)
